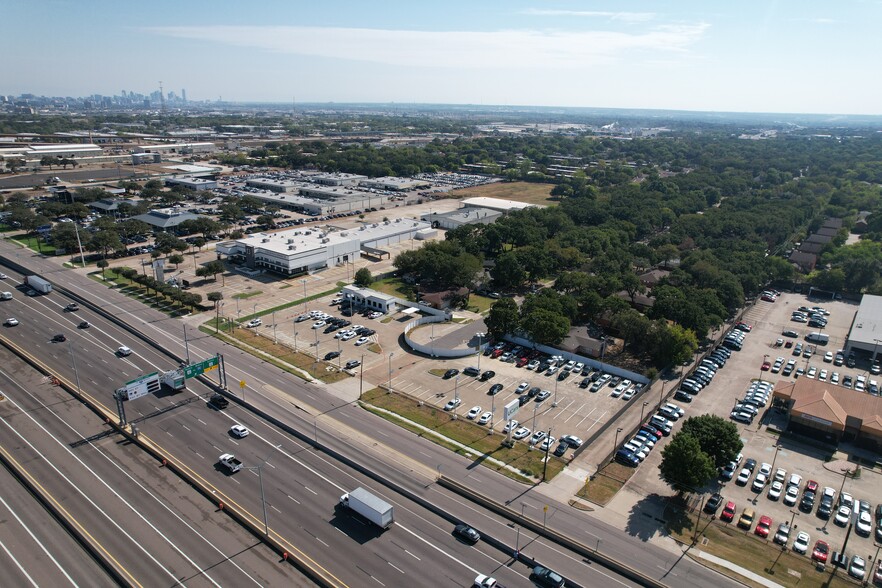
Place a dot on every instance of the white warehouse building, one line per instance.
(298, 251)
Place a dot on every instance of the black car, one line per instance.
(561, 448)
(72, 307)
(542, 576)
(452, 372)
(59, 338)
(563, 376)
(808, 501)
(534, 391)
(522, 400)
(84, 325)
(683, 395)
(750, 464)
(466, 533)
(219, 400)
(494, 389)
(586, 381)
(713, 503)
(331, 355)
(825, 508)
(487, 375)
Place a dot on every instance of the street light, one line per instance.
(391, 355)
(616, 444)
(645, 404)
(555, 392)
(274, 328)
(547, 447)
(480, 337)
(259, 468)
(455, 395)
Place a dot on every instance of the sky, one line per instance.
(789, 56)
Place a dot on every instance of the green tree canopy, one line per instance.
(716, 436)
(684, 465)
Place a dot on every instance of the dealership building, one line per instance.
(297, 251)
(828, 412)
(865, 333)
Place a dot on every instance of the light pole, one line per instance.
(645, 404)
(391, 355)
(556, 381)
(547, 447)
(492, 412)
(295, 341)
(259, 468)
(479, 336)
(535, 406)
(74, 360)
(361, 377)
(304, 293)
(616, 443)
(518, 539)
(274, 328)
(455, 395)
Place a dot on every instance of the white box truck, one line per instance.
(39, 284)
(371, 507)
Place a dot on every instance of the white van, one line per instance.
(5, 295)
(819, 338)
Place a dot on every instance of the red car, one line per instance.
(496, 353)
(522, 362)
(819, 553)
(811, 486)
(766, 366)
(729, 513)
(763, 526)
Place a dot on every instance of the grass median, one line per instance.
(530, 462)
(603, 485)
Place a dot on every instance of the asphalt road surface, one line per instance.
(302, 486)
(68, 175)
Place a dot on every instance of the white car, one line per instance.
(780, 475)
(533, 364)
(843, 515)
(453, 403)
(822, 376)
(254, 323)
(11, 322)
(791, 495)
(319, 324)
(473, 412)
(828, 357)
(374, 315)
(511, 425)
(485, 418)
(760, 482)
(765, 469)
(743, 477)
(347, 336)
(864, 525)
(482, 581)
(362, 340)
(537, 437)
(775, 490)
(675, 408)
(521, 433)
(238, 431)
(802, 542)
(522, 387)
(123, 351)
(547, 443)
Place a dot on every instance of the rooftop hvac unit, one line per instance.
(292, 247)
(264, 240)
(344, 234)
(361, 228)
(290, 241)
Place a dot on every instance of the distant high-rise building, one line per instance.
(183, 95)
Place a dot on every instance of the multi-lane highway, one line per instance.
(301, 485)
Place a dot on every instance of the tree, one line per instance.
(632, 285)
(212, 268)
(545, 327)
(105, 241)
(508, 273)
(684, 465)
(364, 278)
(503, 318)
(102, 263)
(176, 259)
(717, 437)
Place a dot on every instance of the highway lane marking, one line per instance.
(439, 550)
(412, 555)
(185, 427)
(269, 464)
(37, 541)
(275, 509)
(322, 542)
(298, 502)
(201, 421)
(311, 490)
(161, 502)
(19, 566)
(199, 455)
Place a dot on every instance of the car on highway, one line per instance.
(219, 401)
(11, 322)
(84, 325)
(72, 307)
(123, 351)
(542, 576)
(59, 338)
(239, 431)
(452, 403)
(521, 433)
(466, 533)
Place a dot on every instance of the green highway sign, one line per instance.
(191, 371)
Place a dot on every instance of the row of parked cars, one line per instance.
(756, 398)
(636, 449)
(703, 374)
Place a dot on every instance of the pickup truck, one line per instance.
(230, 462)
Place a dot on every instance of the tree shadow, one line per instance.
(657, 515)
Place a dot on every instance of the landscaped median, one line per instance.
(519, 462)
(760, 556)
(605, 483)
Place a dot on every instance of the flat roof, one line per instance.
(309, 239)
(495, 203)
(867, 326)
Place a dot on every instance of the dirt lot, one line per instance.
(519, 191)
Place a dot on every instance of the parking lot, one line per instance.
(568, 408)
(762, 443)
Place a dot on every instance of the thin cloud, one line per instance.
(622, 16)
(510, 49)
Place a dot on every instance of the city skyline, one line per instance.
(786, 56)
